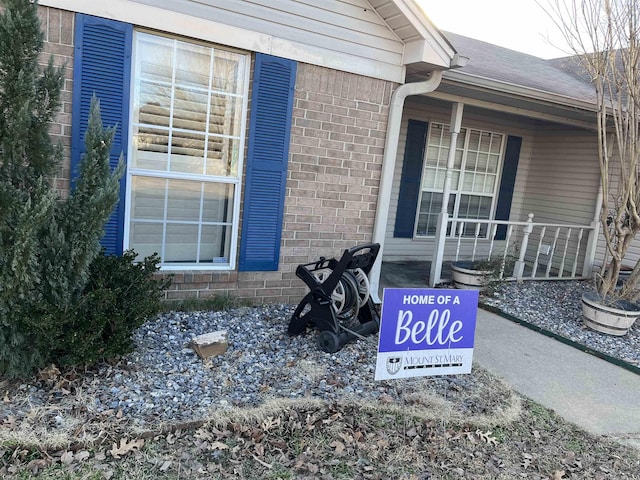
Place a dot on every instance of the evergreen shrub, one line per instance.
(120, 296)
(61, 301)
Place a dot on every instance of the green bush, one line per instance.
(60, 300)
(118, 298)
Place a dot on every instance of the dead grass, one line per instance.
(483, 432)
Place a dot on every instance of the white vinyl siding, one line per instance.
(562, 183)
(346, 35)
(189, 108)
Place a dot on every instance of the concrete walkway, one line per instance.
(594, 394)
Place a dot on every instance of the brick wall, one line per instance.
(337, 142)
(58, 28)
(335, 158)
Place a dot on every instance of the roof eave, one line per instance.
(519, 90)
(432, 48)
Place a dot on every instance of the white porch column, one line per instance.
(592, 243)
(518, 270)
(388, 165)
(443, 217)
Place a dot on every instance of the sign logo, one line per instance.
(426, 332)
(393, 365)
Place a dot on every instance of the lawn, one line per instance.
(480, 430)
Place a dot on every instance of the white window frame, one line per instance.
(165, 175)
(455, 189)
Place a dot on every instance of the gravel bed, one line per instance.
(556, 307)
(163, 380)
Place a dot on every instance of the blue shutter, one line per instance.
(505, 194)
(102, 66)
(267, 162)
(410, 179)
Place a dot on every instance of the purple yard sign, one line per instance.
(426, 332)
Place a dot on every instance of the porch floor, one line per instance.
(410, 274)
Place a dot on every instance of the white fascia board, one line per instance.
(519, 90)
(473, 102)
(419, 51)
(433, 47)
(180, 24)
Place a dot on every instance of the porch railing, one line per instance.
(525, 250)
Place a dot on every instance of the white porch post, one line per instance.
(518, 270)
(592, 243)
(443, 216)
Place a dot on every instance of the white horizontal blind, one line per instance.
(474, 176)
(187, 131)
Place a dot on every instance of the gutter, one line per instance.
(388, 166)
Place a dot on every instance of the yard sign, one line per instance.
(426, 332)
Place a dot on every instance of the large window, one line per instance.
(188, 115)
(474, 181)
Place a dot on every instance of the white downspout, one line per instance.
(388, 166)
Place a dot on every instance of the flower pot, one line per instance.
(468, 275)
(614, 318)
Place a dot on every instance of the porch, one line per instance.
(525, 251)
(523, 189)
(409, 274)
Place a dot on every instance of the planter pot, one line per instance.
(614, 318)
(467, 275)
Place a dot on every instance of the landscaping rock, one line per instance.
(210, 344)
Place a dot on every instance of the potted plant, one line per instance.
(479, 274)
(605, 40)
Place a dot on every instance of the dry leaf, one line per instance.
(385, 399)
(557, 475)
(257, 435)
(67, 458)
(219, 446)
(269, 423)
(165, 466)
(125, 447)
(36, 465)
(50, 373)
(279, 444)
(487, 437)
(82, 455)
(339, 447)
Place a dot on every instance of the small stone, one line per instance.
(210, 344)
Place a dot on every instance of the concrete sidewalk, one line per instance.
(594, 394)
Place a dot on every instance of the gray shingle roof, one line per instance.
(502, 64)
